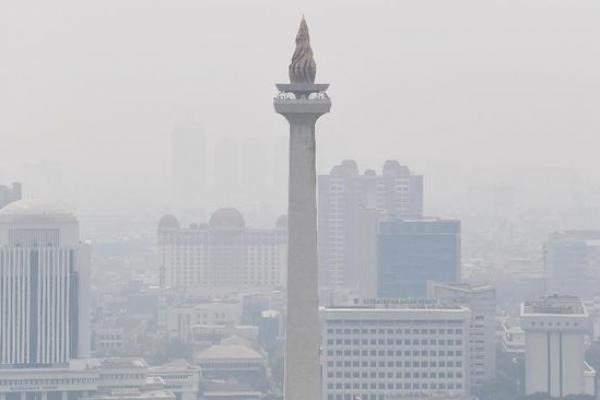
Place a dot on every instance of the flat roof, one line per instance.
(555, 305)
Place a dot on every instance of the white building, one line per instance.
(94, 379)
(223, 254)
(386, 349)
(180, 320)
(44, 286)
(555, 327)
(481, 300)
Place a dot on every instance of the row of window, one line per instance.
(398, 385)
(55, 381)
(439, 342)
(389, 364)
(414, 331)
(397, 375)
(397, 353)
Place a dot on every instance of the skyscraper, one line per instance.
(302, 102)
(411, 252)
(572, 263)
(344, 195)
(44, 286)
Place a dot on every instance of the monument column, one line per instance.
(302, 102)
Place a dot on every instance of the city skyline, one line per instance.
(107, 111)
(162, 237)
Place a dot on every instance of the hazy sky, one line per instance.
(100, 85)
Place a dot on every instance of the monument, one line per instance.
(302, 102)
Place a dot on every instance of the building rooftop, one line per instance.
(227, 218)
(175, 365)
(554, 305)
(229, 351)
(34, 209)
(396, 304)
(123, 363)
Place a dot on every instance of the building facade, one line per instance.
(555, 328)
(224, 253)
(378, 351)
(481, 300)
(572, 263)
(343, 196)
(44, 286)
(411, 252)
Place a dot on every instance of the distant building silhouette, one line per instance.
(572, 263)
(10, 194)
(188, 167)
(222, 253)
(226, 171)
(411, 252)
(44, 286)
(344, 195)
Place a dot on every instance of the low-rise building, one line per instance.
(381, 349)
(235, 362)
(180, 377)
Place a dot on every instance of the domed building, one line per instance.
(224, 253)
(40, 247)
(227, 218)
(34, 222)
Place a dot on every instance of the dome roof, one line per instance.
(168, 221)
(393, 168)
(227, 218)
(282, 222)
(35, 209)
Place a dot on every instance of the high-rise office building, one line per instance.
(10, 194)
(223, 253)
(44, 286)
(572, 263)
(188, 167)
(343, 195)
(411, 252)
(388, 349)
(555, 328)
(481, 300)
